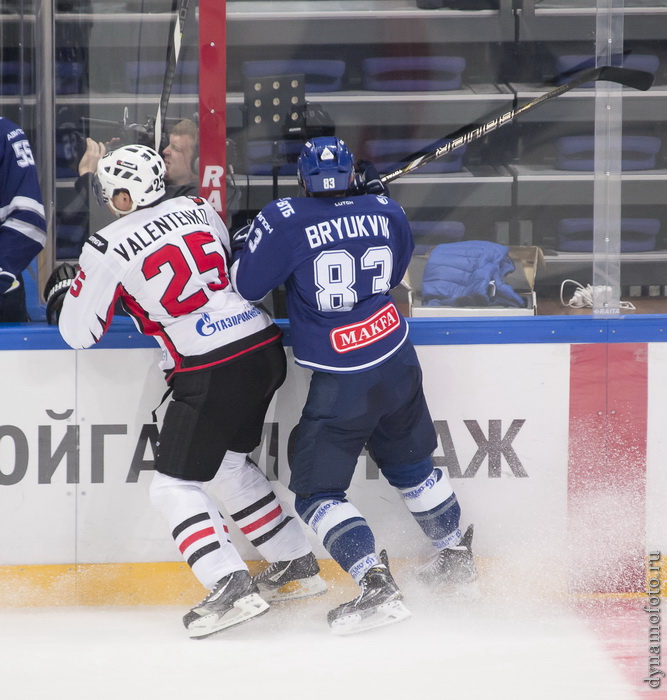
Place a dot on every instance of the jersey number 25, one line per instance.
(172, 257)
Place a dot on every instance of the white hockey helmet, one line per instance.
(137, 169)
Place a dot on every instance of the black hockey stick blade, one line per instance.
(637, 79)
(629, 77)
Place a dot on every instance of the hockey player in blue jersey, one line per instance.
(22, 223)
(338, 256)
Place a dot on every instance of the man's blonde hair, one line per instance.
(186, 127)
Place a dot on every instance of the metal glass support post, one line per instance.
(45, 148)
(607, 176)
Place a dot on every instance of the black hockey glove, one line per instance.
(60, 280)
(367, 180)
(240, 237)
(8, 281)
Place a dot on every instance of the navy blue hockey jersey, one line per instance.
(338, 258)
(22, 224)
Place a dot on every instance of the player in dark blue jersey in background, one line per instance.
(339, 256)
(22, 224)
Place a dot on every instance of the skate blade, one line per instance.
(244, 609)
(302, 588)
(385, 614)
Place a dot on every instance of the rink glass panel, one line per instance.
(580, 177)
(391, 78)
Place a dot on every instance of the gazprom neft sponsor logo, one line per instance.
(358, 335)
(205, 326)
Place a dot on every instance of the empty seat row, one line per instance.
(578, 152)
(141, 77)
(572, 153)
(16, 77)
(393, 73)
(637, 235)
(385, 73)
(386, 155)
(390, 73)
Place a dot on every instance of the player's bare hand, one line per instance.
(94, 151)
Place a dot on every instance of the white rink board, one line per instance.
(507, 383)
(114, 391)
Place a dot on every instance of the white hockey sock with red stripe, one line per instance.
(250, 500)
(197, 527)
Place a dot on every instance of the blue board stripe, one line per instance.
(646, 328)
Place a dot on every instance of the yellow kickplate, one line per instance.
(173, 583)
(159, 583)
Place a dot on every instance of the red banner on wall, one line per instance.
(212, 102)
(607, 467)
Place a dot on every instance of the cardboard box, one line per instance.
(527, 261)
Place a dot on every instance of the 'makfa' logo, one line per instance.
(363, 333)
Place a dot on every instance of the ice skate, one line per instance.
(288, 580)
(379, 603)
(235, 599)
(453, 570)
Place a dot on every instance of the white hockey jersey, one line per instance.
(168, 264)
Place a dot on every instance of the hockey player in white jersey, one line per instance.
(167, 261)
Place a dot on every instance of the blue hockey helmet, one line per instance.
(326, 164)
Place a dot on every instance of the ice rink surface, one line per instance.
(497, 648)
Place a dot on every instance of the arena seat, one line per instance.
(427, 234)
(568, 65)
(320, 75)
(388, 154)
(69, 77)
(413, 73)
(147, 77)
(259, 157)
(69, 240)
(577, 152)
(15, 77)
(637, 235)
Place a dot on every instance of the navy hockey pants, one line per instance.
(383, 407)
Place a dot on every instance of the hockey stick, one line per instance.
(172, 62)
(637, 79)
